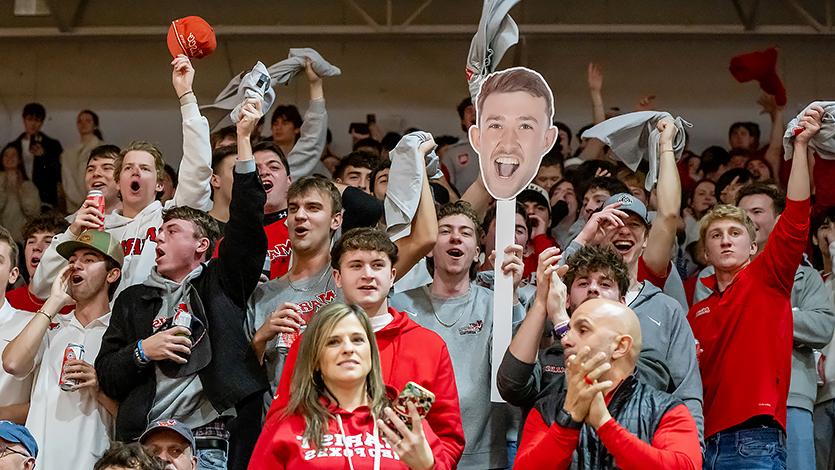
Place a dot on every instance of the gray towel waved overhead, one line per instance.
(496, 33)
(280, 74)
(633, 138)
(824, 141)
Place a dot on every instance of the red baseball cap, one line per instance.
(191, 36)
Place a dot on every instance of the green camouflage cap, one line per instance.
(95, 240)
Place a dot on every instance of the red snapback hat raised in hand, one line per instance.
(191, 36)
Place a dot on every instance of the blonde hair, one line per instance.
(307, 383)
(727, 212)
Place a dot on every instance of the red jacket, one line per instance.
(745, 333)
(539, 244)
(287, 449)
(421, 357)
(675, 444)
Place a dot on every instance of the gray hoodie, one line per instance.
(813, 319)
(667, 361)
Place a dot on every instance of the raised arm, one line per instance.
(478, 197)
(662, 235)
(798, 188)
(595, 80)
(194, 188)
(20, 355)
(307, 151)
(424, 233)
(778, 128)
(241, 255)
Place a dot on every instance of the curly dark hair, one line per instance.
(591, 259)
(133, 456)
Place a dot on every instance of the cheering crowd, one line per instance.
(270, 304)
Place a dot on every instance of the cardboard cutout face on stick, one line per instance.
(514, 129)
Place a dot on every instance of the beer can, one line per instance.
(182, 318)
(97, 198)
(74, 351)
(284, 341)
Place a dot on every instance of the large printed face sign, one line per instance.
(514, 129)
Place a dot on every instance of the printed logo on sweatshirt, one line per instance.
(313, 305)
(471, 329)
(554, 369)
(359, 446)
(702, 311)
(280, 250)
(134, 246)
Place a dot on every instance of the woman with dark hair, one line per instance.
(19, 198)
(334, 419)
(74, 160)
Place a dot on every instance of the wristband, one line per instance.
(561, 330)
(184, 94)
(141, 352)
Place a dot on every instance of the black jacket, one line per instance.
(46, 171)
(635, 405)
(218, 295)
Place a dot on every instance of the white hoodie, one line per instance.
(138, 235)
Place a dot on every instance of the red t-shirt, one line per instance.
(22, 299)
(745, 334)
(675, 444)
(278, 245)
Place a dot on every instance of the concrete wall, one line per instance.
(406, 81)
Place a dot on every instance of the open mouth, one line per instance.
(135, 186)
(506, 166)
(35, 260)
(455, 253)
(268, 185)
(301, 231)
(368, 288)
(98, 185)
(76, 279)
(623, 246)
(160, 253)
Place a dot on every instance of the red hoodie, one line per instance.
(289, 450)
(422, 357)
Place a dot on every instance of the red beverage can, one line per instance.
(97, 198)
(74, 351)
(182, 318)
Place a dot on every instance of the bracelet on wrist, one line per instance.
(139, 354)
(185, 94)
(48, 317)
(560, 330)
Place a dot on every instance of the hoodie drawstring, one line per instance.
(348, 445)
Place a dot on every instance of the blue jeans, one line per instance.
(211, 459)
(759, 448)
(800, 440)
(512, 448)
(825, 434)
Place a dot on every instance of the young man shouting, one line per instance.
(82, 411)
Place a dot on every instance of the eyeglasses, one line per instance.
(6, 450)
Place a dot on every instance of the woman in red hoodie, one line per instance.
(332, 419)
